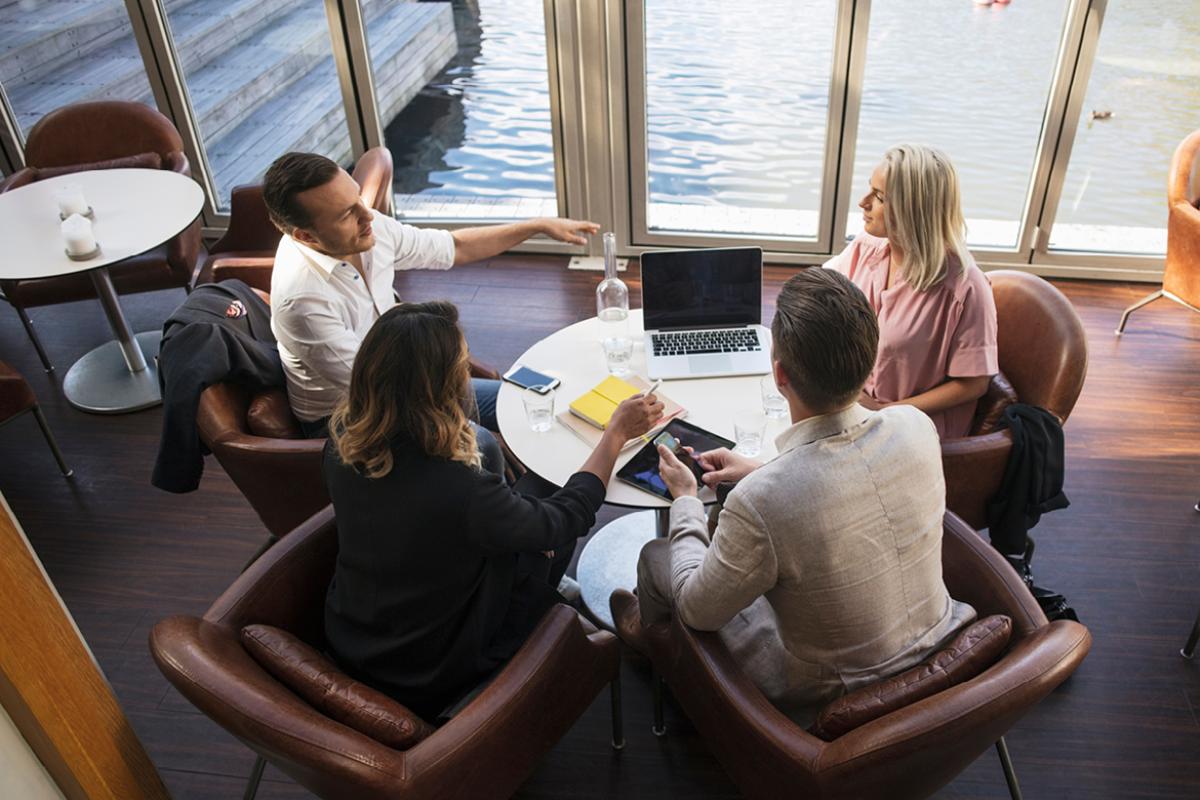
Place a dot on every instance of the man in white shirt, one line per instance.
(334, 271)
(824, 573)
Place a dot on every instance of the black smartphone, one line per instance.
(642, 470)
(681, 452)
(528, 378)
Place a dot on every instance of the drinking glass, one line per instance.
(539, 409)
(748, 430)
(774, 403)
(618, 353)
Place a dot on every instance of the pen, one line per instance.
(653, 388)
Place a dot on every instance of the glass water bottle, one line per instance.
(612, 296)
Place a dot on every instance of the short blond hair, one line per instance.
(924, 212)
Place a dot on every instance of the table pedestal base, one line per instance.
(609, 561)
(101, 382)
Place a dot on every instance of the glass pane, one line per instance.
(464, 98)
(1142, 100)
(970, 80)
(56, 53)
(736, 106)
(262, 81)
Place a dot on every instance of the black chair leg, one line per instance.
(33, 337)
(1189, 649)
(658, 687)
(255, 777)
(58, 456)
(1010, 775)
(618, 718)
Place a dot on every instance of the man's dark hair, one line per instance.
(288, 176)
(825, 336)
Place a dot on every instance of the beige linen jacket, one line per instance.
(824, 573)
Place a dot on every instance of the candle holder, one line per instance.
(83, 256)
(89, 214)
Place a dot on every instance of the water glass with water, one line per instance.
(774, 403)
(539, 408)
(748, 430)
(618, 355)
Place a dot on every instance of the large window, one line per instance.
(56, 53)
(971, 80)
(261, 80)
(464, 100)
(1142, 100)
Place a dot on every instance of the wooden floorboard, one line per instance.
(1126, 553)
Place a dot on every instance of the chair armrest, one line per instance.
(18, 179)
(481, 370)
(177, 161)
(975, 573)
(974, 469)
(373, 172)
(254, 272)
(250, 228)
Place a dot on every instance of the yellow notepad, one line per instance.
(598, 405)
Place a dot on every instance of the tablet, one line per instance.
(642, 470)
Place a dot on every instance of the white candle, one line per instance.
(70, 200)
(78, 236)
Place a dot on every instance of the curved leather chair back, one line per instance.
(485, 751)
(281, 478)
(911, 752)
(99, 131)
(1181, 276)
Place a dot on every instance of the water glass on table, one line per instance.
(618, 355)
(774, 403)
(749, 427)
(539, 408)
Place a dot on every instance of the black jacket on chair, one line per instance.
(1033, 478)
(222, 332)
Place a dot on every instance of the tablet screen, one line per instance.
(642, 470)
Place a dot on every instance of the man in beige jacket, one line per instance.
(824, 572)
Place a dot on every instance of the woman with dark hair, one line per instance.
(442, 570)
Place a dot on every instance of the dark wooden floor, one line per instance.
(1126, 553)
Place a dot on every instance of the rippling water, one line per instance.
(737, 98)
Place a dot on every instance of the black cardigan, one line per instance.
(425, 599)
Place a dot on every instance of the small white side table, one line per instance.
(574, 355)
(135, 210)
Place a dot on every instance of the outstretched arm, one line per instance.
(473, 244)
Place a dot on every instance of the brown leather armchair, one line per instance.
(107, 134)
(16, 398)
(1043, 361)
(486, 750)
(247, 250)
(1181, 274)
(909, 752)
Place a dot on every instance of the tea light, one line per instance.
(78, 237)
(70, 200)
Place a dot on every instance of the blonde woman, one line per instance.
(442, 570)
(937, 317)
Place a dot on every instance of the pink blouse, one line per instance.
(948, 331)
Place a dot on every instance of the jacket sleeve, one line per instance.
(501, 520)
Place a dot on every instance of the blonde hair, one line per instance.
(410, 381)
(924, 213)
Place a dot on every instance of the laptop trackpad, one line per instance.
(717, 362)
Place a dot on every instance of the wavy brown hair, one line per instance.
(411, 380)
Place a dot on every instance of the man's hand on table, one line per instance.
(725, 466)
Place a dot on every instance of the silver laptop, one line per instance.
(703, 313)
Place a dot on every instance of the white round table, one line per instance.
(135, 210)
(574, 355)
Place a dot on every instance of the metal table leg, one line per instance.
(121, 375)
(609, 561)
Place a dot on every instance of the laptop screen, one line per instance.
(702, 288)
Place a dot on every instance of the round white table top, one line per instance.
(135, 210)
(574, 355)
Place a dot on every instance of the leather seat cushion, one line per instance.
(990, 408)
(329, 690)
(139, 161)
(270, 416)
(973, 650)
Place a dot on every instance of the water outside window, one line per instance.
(1142, 100)
(57, 52)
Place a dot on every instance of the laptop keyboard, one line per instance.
(687, 343)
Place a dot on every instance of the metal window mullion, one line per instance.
(554, 59)
(1089, 40)
(352, 59)
(850, 59)
(12, 143)
(164, 71)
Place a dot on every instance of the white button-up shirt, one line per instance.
(321, 308)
